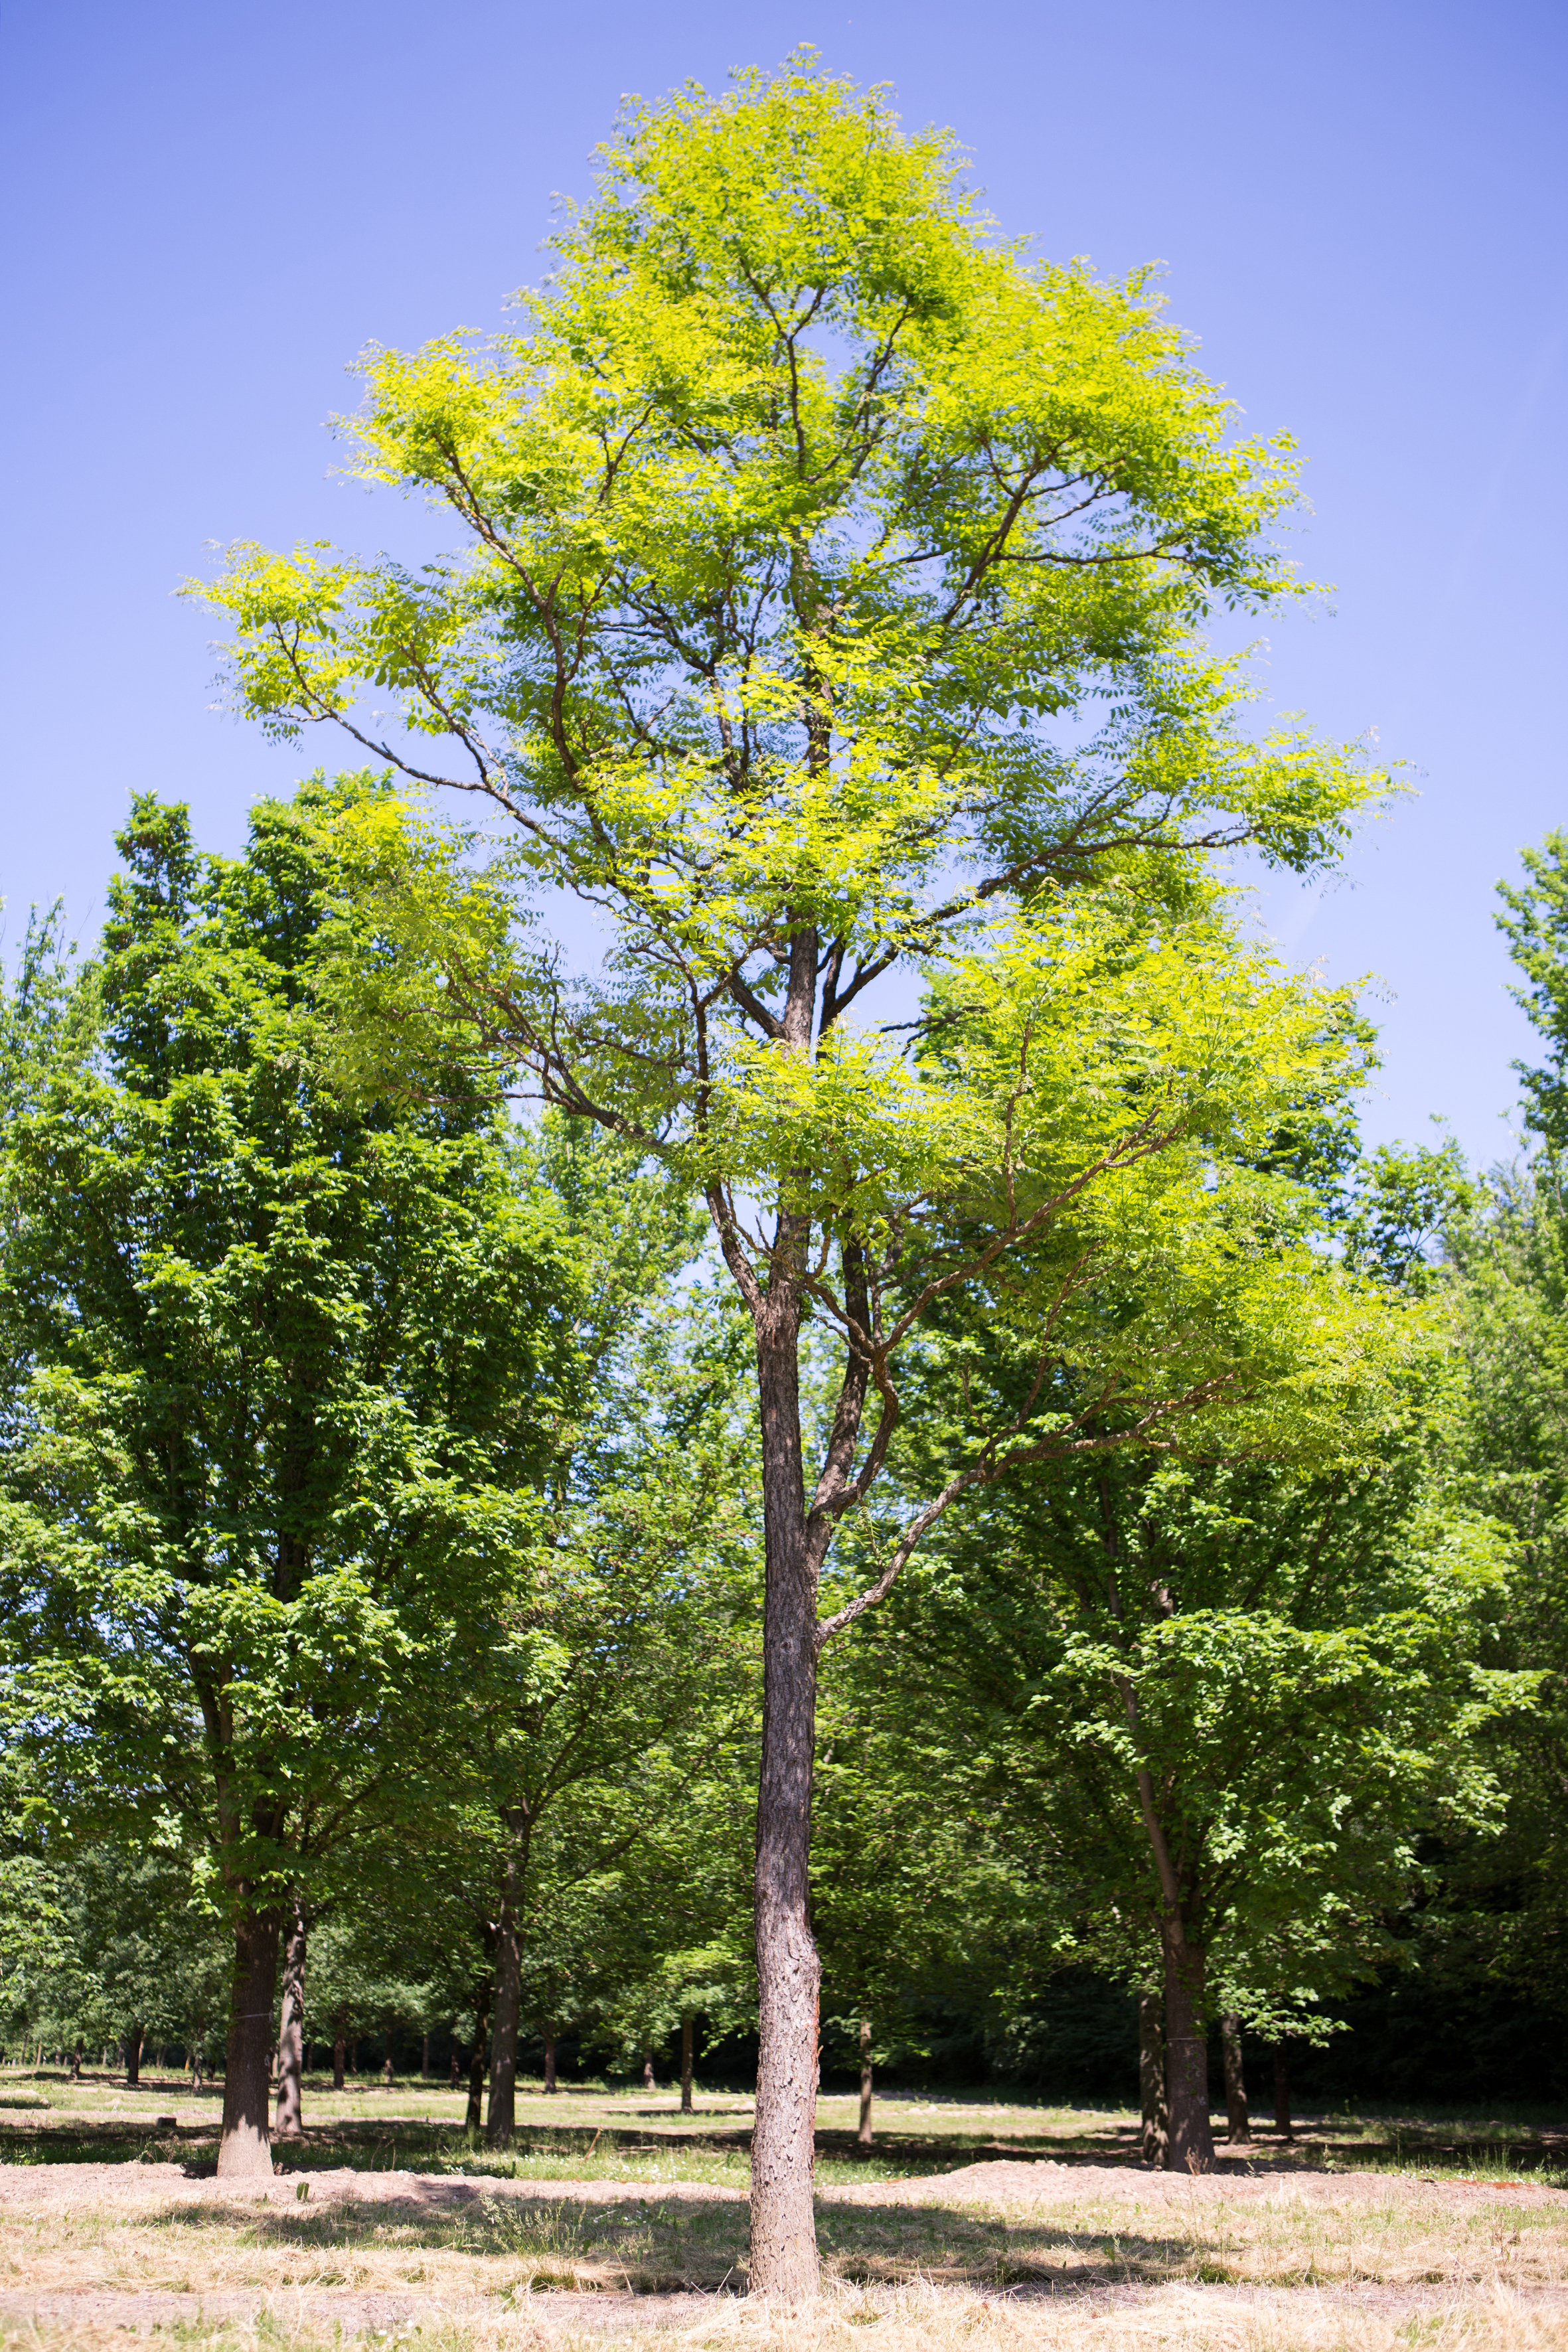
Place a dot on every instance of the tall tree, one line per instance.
(290, 1372)
(831, 610)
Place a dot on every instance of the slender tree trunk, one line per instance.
(339, 2047)
(387, 2071)
(246, 2145)
(549, 2083)
(647, 2080)
(1186, 2052)
(784, 2229)
(1155, 2131)
(484, 1994)
(75, 2064)
(503, 2120)
(1237, 2128)
(1282, 2092)
(425, 2062)
(133, 2058)
(864, 2135)
(288, 2120)
(685, 2038)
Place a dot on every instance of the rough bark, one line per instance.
(1237, 2128)
(339, 2047)
(783, 2263)
(685, 2038)
(549, 2083)
(133, 2058)
(864, 2135)
(1282, 2092)
(288, 2122)
(1191, 2145)
(75, 2064)
(246, 2144)
(1155, 2132)
(502, 2119)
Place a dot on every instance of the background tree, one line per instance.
(288, 1368)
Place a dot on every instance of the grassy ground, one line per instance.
(985, 2222)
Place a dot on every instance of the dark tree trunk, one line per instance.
(1236, 2129)
(864, 2135)
(549, 2083)
(1282, 2092)
(1155, 2129)
(246, 2144)
(1186, 2052)
(288, 2120)
(133, 2058)
(75, 2064)
(456, 2075)
(339, 2047)
(484, 1993)
(425, 2062)
(502, 2119)
(783, 2230)
(386, 2071)
(686, 2063)
(647, 2080)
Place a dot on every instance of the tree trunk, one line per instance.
(75, 2064)
(133, 2058)
(1186, 2052)
(484, 1993)
(549, 2083)
(1236, 2130)
(647, 2080)
(1282, 2092)
(288, 2120)
(386, 2071)
(456, 2075)
(685, 2061)
(425, 2062)
(864, 2134)
(502, 2121)
(789, 1974)
(245, 2145)
(1155, 2130)
(339, 2047)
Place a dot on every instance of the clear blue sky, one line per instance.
(209, 209)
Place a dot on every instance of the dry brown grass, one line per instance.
(999, 2257)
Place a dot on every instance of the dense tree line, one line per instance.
(881, 1440)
